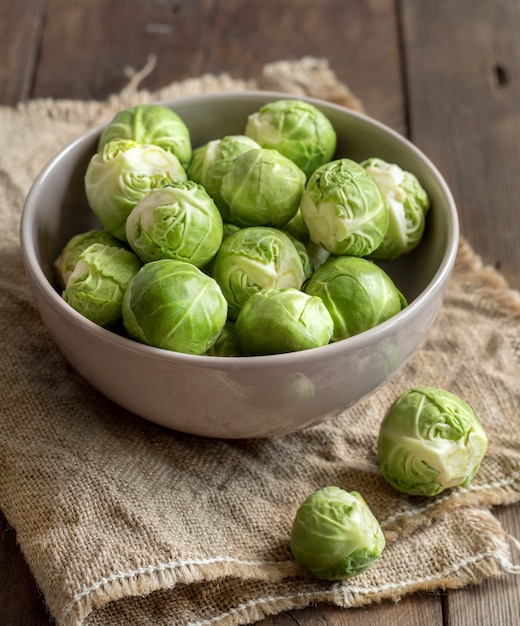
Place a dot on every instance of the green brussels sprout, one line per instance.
(335, 535)
(253, 258)
(308, 268)
(262, 188)
(357, 293)
(212, 161)
(150, 124)
(173, 305)
(229, 229)
(430, 440)
(226, 343)
(97, 284)
(179, 221)
(317, 254)
(297, 129)
(298, 228)
(123, 174)
(277, 320)
(344, 209)
(408, 204)
(69, 256)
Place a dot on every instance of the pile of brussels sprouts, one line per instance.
(430, 440)
(253, 244)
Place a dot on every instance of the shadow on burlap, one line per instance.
(123, 521)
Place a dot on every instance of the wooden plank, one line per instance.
(88, 51)
(496, 601)
(20, 26)
(354, 36)
(471, 130)
(20, 602)
(419, 609)
(467, 118)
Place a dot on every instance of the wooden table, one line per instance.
(444, 73)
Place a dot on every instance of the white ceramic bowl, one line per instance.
(232, 397)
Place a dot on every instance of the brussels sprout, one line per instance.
(344, 209)
(173, 305)
(297, 129)
(298, 228)
(229, 229)
(430, 440)
(212, 161)
(179, 222)
(274, 321)
(150, 124)
(335, 535)
(69, 256)
(357, 293)
(253, 258)
(123, 174)
(317, 254)
(97, 285)
(308, 267)
(226, 343)
(407, 202)
(262, 188)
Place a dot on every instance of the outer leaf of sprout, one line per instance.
(297, 228)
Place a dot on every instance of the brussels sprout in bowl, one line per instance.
(238, 396)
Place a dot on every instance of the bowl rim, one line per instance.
(355, 343)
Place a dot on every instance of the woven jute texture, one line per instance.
(125, 522)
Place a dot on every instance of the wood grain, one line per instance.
(420, 609)
(20, 29)
(464, 87)
(90, 50)
(354, 36)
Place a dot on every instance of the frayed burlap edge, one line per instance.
(496, 561)
(499, 292)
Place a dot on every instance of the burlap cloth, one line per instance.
(124, 522)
